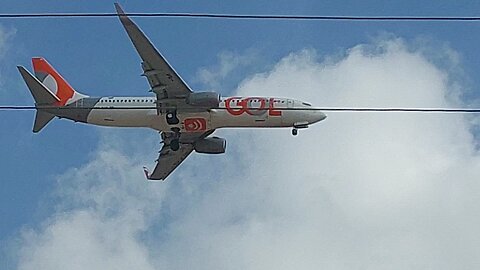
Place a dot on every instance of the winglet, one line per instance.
(147, 173)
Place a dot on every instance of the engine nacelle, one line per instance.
(205, 99)
(213, 145)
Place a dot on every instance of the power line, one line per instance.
(420, 110)
(325, 109)
(242, 16)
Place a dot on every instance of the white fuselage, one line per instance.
(231, 112)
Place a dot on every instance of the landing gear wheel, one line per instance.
(174, 145)
(294, 132)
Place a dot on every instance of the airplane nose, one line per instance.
(317, 116)
(321, 116)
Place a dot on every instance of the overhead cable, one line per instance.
(325, 109)
(243, 16)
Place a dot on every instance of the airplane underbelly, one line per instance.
(121, 118)
(184, 122)
(223, 118)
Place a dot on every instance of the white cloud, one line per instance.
(5, 36)
(229, 64)
(104, 206)
(370, 191)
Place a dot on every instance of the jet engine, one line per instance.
(213, 145)
(204, 99)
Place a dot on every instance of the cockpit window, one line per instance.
(307, 104)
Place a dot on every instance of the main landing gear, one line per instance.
(172, 139)
(175, 145)
(294, 132)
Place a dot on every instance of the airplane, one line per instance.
(185, 119)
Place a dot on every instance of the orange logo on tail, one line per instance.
(53, 80)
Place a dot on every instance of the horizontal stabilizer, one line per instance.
(41, 94)
(41, 120)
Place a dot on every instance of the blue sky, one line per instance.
(97, 58)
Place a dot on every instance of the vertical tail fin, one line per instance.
(55, 82)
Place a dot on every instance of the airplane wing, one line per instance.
(163, 79)
(168, 159)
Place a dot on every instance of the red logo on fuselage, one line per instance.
(195, 124)
(245, 105)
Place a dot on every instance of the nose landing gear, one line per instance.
(298, 126)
